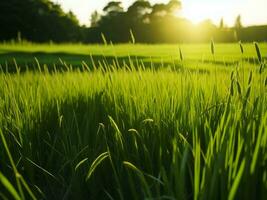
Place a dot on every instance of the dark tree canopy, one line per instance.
(139, 8)
(44, 21)
(113, 7)
(37, 20)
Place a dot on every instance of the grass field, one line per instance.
(134, 122)
(73, 54)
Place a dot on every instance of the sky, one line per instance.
(251, 11)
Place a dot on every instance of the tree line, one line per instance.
(142, 22)
(37, 20)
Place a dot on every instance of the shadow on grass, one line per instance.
(63, 61)
(12, 61)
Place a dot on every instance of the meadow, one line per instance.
(133, 121)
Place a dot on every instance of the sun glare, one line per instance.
(194, 17)
(199, 13)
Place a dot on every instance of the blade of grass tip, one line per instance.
(80, 163)
(212, 47)
(118, 134)
(237, 181)
(9, 187)
(131, 166)
(108, 195)
(258, 52)
(41, 168)
(38, 64)
(96, 162)
(181, 54)
(16, 65)
(86, 66)
(104, 39)
(132, 36)
(39, 191)
(241, 47)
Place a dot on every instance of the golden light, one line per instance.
(198, 13)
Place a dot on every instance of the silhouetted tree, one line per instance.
(221, 23)
(173, 6)
(38, 20)
(95, 17)
(238, 23)
(42, 21)
(113, 8)
(139, 9)
(238, 26)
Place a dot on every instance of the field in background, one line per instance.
(157, 55)
(140, 121)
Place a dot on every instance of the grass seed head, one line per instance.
(212, 47)
(241, 47)
(258, 52)
(181, 54)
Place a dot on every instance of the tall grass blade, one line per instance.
(241, 47)
(237, 180)
(258, 52)
(9, 187)
(96, 162)
(80, 163)
(181, 54)
(212, 48)
(132, 36)
(104, 39)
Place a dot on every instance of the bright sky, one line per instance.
(252, 11)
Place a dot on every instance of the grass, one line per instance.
(73, 54)
(128, 130)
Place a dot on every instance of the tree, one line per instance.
(37, 20)
(221, 24)
(238, 26)
(173, 6)
(139, 9)
(113, 7)
(238, 23)
(159, 9)
(95, 17)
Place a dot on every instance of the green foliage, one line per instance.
(38, 20)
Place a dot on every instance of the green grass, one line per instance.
(187, 130)
(73, 54)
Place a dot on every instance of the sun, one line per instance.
(197, 13)
(194, 17)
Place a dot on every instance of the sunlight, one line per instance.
(198, 13)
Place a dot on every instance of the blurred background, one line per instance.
(155, 21)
